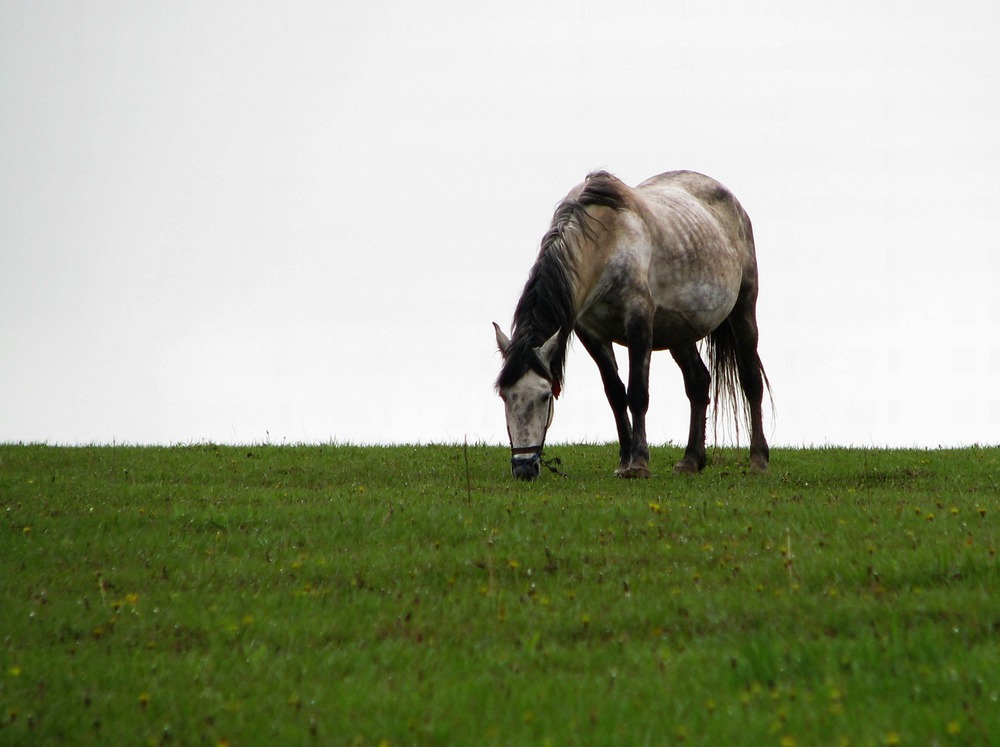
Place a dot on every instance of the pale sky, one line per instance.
(294, 222)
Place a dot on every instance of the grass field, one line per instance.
(339, 595)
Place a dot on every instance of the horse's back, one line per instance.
(703, 187)
(709, 192)
(718, 201)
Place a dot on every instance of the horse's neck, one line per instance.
(580, 263)
(590, 260)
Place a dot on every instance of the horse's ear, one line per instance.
(547, 350)
(503, 342)
(545, 354)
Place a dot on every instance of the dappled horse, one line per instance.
(655, 267)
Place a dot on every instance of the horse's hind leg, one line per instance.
(696, 386)
(751, 373)
(604, 356)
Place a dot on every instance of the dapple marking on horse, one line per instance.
(655, 267)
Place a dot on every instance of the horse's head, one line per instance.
(529, 403)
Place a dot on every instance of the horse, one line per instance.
(660, 266)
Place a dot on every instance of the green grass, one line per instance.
(365, 596)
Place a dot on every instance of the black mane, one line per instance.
(547, 302)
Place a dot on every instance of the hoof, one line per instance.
(758, 464)
(686, 467)
(633, 473)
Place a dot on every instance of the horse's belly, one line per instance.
(672, 328)
(692, 300)
(695, 311)
(703, 311)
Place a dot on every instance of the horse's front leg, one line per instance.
(640, 348)
(604, 356)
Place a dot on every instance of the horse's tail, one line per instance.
(727, 394)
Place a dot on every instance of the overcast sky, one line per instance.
(295, 222)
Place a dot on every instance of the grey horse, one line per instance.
(657, 267)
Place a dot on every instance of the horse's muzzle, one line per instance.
(527, 466)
